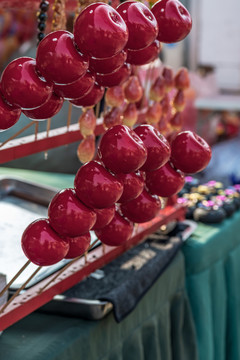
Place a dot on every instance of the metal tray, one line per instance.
(22, 202)
(93, 309)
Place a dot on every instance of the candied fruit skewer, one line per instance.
(20, 289)
(14, 278)
(67, 266)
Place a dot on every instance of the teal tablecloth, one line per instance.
(160, 328)
(212, 258)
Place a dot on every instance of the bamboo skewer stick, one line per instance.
(147, 83)
(20, 289)
(14, 278)
(48, 126)
(66, 267)
(47, 134)
(98, 109)
(36, 129)
(104, 249)
(69, 116)
(17, 133)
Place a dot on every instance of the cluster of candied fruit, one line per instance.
(100, 53)
(134, 169)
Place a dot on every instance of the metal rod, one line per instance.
(14, 278)
(66, 267)
(20, 289)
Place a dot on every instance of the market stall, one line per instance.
(97, 147)
(160, 327)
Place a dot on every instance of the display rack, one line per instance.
(27, 300)
(33, 298)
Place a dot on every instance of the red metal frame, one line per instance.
(32, 299)
(44, 141)
(28, 145)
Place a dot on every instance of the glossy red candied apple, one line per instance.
(112, 117)
(133, 89)
(68, 216)
(91, 98)
(130, 115)
(133, 185)
(107, 65)
(144, 208)
(158, 148)
(117, 232)
(49, 109)
(114, 96)
(144, 56)
(157, 89)
(190, 153)
(181, 79)
(58, 59)
(176, 121)
(174, 20)
(154, 113)
(42, 245)
(78, 245)
(9, 115)
(100, 31)
(87, 122)
(21, 86)
(121, 150)
(104, 216)
(179, 101)
(115, 78)
(141, 23)
(96, 187)
(168, 76)
(86, 149)
(165, 181)
(77, 89)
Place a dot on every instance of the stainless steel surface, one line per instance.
(84, 308)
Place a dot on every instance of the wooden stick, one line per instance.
(36, 129)
(104, 249)
(20, 289)
(66, 267)
(48, 126)
(14, 278)
(47, 134)
(105, 107)
(69, 116)
(98, 109)
(17, 133)
(147, 83)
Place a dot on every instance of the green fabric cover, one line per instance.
(160, 328)
(212, 258)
